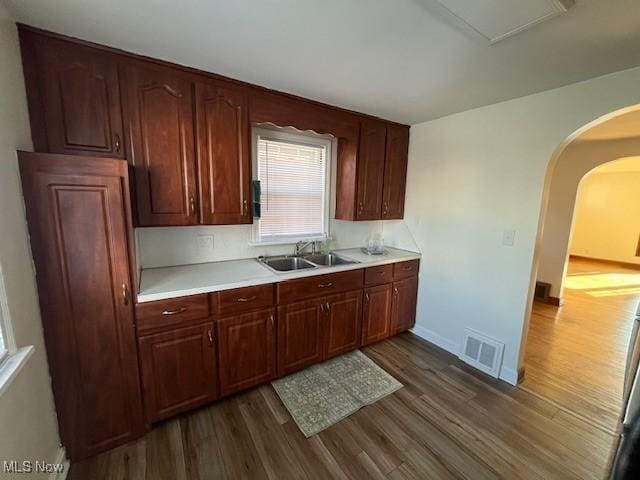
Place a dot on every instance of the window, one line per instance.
(293, 170)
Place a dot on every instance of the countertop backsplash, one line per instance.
(169, 246)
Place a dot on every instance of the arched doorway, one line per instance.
(561, 362)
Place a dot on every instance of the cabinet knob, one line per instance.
(366, 297)
(116, 143)
(210, 335)
(395, 291)
(271, 320)
(192, 205)
(245, 208)
(385, 208)
(360, 207)
(125, 294)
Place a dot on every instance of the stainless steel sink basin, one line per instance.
(287, 264)
(329, 259)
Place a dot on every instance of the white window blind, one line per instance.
(293, 171)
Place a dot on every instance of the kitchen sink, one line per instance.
(328, 259)
(287, 264)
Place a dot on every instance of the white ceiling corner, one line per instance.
(401, 60)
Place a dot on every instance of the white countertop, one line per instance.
(171, 282)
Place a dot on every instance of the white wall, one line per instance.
(474, 174)
(574, 163)
(28, 428)
(607, 218)
(166, 246)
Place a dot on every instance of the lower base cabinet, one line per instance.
(247, 350)
(403, 306)
(376, 315)
(312, 331)
(343, 323)
(178, 370)
(300, 335)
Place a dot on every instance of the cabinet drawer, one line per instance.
(406, 269)
(154, 316)
(309, 287)
(378, 275)
(242, 299)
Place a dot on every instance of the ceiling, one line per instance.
(402, 60)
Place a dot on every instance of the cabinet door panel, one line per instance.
(371, 170)
(247, 345)
(343, 324)
(81, 100)
(225, 161)
(403, 311)
(178, 370)
(300, 335)
(395, 172)
(77, 210)
(159, 118)
(376, 316)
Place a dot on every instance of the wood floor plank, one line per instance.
(575, 354)
(447, 422)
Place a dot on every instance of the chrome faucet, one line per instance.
(300, 246)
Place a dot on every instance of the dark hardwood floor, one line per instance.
(447, 422)
(575, 354)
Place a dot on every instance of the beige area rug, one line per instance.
(324, 394)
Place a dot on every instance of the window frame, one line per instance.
(293, 135)
(7, 347)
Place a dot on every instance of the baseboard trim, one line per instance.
(438, 340)
(61, 458)
(506, 374)
(618, 263)
(555, 301)
(509, 375)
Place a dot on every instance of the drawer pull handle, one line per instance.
(271, 320)
(210, 335)
(395, 291)
(175, 312)
(325, 285)
(246, 299)
(366, 297)
(408, 267)
(381, 272)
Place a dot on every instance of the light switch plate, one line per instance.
(205, 243)
(509, 238)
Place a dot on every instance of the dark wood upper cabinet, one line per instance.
(371, 157)
(187, 132)
(403, 310)
(158, 105)
(224, 154)
(376, 314)
(247, 349)
(178, 370)
(300, 335)
(77, 210)
(343, 324)
(74, 98)
(395, 172)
